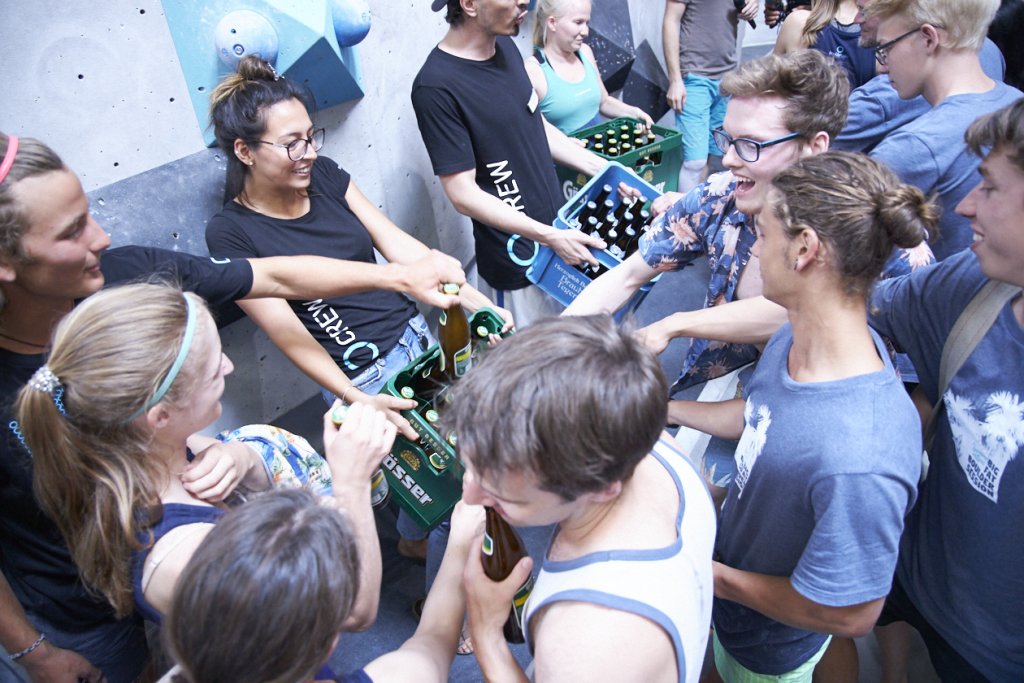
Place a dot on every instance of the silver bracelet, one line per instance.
(18, 655)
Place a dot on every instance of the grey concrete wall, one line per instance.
(101, 83)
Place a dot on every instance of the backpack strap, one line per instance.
(974, 323)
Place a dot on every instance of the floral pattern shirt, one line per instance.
(706, 222)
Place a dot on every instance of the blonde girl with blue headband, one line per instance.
(134, 373)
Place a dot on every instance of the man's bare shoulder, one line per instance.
(585, 641)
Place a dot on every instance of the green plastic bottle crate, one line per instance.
(428, 491)
(661, 169)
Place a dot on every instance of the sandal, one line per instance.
(465, 642)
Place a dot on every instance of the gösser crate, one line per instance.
(425, 477)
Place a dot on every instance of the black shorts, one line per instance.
(948, 663)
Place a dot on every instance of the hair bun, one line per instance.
(255, 68)
(906, 215)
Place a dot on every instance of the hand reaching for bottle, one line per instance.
(354, 449)
(424, 277)
(572, 246)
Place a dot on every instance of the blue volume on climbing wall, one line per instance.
(304, 32)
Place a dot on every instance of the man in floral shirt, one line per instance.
(782, 108)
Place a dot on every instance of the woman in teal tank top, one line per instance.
(563, 70)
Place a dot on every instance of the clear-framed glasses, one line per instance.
(882, 49)
(747, 149)
(297, 148)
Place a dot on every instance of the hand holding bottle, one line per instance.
(355, 449)
(489, 602)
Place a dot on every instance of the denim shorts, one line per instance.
(415, 340)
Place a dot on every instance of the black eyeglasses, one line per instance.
(297, 148)
(882, 50)
(747, 149)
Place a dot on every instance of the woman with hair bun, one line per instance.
(107, 420)
(281, 198)
(830, 444)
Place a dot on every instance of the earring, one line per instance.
(796, 263)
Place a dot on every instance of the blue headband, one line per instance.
(172, 374)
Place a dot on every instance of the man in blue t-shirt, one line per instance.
(959, 578)
(930, 48)
(479, 118)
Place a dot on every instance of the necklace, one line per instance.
(22, 341)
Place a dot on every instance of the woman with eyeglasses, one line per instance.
(282, 198)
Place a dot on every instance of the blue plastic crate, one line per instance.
(564, 282)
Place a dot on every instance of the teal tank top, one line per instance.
(570, 106)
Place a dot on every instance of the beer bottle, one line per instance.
(613, 151)
(604, 193)
(589, 210)
(453, 335)
(593, 227)
(380, 491)
(502, 549)
(619, 211)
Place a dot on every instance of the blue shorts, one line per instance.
(703, 111)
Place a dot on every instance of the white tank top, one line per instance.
(671, 586)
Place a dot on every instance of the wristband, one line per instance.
(18, 655)
(349, 388)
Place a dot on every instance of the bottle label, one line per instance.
(519, 601)
(379, 489)
(463, 359)
(488, 545)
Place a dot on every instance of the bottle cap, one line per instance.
(431, 415)
(482, 331)
(450, 288)
(452, 439)
(338, 413)
(407, 392)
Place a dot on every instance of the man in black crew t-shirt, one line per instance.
(491, 148)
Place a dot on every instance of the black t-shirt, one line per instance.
(484, 115)
(33, 556)
(355, 329)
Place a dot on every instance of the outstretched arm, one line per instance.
(470, 200)
(613, 107)
(744, 321)
(354, 451)
(609, 292)
(427, 655)
(318, 277)
(277, 319)
(723, 419)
